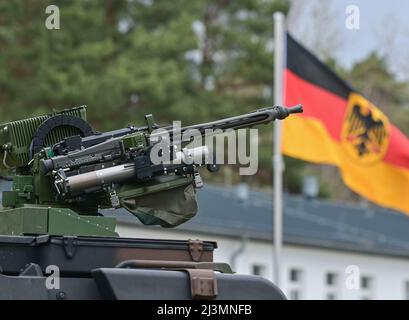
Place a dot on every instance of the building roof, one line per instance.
(307, 222)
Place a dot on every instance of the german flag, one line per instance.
(341, 127)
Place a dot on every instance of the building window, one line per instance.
(406, 290)
(331, 286)
(366, 282)
(295, 275)
(294, 294)
(366, 287)
(259, 270)
(331, 279)
(295, 284)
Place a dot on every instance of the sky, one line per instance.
(374, 14)
(378, 20)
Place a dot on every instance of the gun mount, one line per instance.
(64, 171)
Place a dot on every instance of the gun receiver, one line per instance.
(115, 161)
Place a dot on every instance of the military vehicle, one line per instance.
(54, 243)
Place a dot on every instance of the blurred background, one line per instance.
(197, 61)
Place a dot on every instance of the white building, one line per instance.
(331, 250)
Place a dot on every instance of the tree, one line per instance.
(314, 21)
(374, 79)
(184, 60)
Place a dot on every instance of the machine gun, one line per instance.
(64, 171)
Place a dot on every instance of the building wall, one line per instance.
(385, 277)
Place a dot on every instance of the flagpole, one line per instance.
(278, 18)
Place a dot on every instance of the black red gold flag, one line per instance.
(341, 127)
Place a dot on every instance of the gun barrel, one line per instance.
(248, 120)
(261, 116)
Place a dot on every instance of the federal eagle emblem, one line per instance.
(365, 133)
